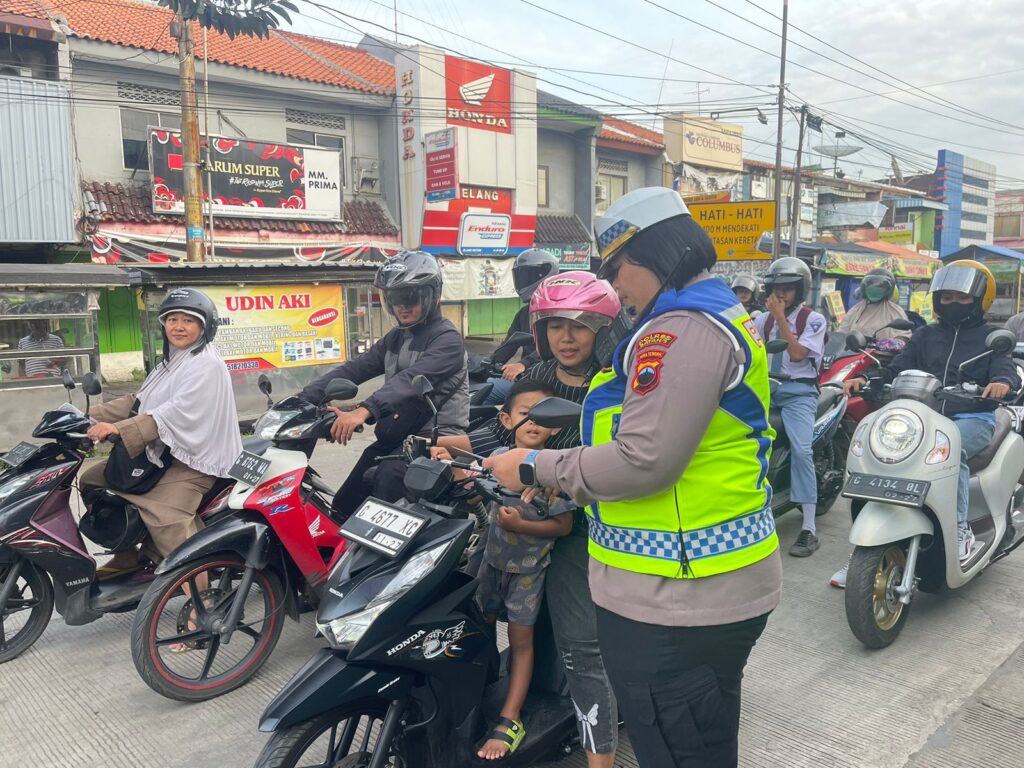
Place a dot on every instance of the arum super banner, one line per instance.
(279, 326)
(250, 178)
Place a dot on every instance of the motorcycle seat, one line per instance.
(1004, 425)
(827, 398)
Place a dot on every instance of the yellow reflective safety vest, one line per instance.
(717, 517)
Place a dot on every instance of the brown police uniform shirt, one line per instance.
(664, 416)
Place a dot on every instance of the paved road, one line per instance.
(813, 695)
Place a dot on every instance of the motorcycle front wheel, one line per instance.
(175, 647)
(873, 609)
(27, 610)
(345, 738)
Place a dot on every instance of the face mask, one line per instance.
(875, 294)
(954, 314)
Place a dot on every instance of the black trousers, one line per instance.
(385, 483)
(678, 688)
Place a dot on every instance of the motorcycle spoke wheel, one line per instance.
(177, 645)
(26, 612)
(347, 738)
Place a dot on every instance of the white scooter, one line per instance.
(902, 475)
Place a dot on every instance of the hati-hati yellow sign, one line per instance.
(735, 228)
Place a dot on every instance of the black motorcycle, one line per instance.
(413, 676)
(44, 561)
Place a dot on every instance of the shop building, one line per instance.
(1009, 221)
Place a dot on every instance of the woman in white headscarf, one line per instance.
(185, 420)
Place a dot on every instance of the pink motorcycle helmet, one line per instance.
(578, 296)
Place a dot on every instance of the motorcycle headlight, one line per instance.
(344, 632)
(896, 435)
(270, 422)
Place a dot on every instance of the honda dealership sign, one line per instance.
(478, 95)
(251, 178)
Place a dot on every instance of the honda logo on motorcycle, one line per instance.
(478, 96)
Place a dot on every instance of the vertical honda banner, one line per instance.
(495, 155)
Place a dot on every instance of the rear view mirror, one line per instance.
(340, 389)
(263, 382)
(856, 341)
(422, 385)
(1001, 341)
(91, 384)
(555, 413)
(69, 383)
(901, 325)
(775, 346)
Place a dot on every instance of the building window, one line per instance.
(135, 125)
(975, 199)
(313, 139)
(978, 218)
(1007, 225)
(972, 234)
(542, 186)
(611, 188)
(315, 119)
(974, 181)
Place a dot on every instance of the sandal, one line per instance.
(190, 626)
(512, 737)
(105, 572)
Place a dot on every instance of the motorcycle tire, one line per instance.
(873, 611)
(38, 583)
(287, 748)
(153, 667)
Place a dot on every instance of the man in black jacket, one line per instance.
(961, 294)
(423, 342)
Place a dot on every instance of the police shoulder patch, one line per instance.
(656, 339)
(647, 375)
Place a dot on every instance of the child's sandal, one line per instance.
(512, 737)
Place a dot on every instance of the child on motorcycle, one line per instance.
(961, 294)
(516, 555)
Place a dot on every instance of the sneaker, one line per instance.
(965, 543)
(806, 544)
(838, 579)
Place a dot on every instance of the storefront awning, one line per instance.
(27, 26)
(61, 276)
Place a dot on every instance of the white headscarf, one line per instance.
(191, 400)
(871, 319)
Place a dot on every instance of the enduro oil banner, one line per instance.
(279, 326)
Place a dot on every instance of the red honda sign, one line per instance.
(478, 95)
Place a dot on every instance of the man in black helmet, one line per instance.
(423, 342)
(531, 267)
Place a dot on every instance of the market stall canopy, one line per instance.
(859, 258)
(981, 251)
(62, 276)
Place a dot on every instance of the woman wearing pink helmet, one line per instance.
(567, 312)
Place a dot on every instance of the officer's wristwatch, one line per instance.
(528, 471)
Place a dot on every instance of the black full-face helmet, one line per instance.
(789, 270)
(195, 303)
(410, 278)
(877, 286)
(531, 267)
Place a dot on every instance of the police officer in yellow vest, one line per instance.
(685, 564)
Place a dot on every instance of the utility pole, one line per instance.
(195, 242)
(794, 219)
(776, 239)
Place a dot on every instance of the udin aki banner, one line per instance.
(279, 326)
(251, 178)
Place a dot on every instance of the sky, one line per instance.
(903, 79)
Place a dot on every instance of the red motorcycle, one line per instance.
(215, 611)
(848, 355)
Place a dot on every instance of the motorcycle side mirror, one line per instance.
(775, 346)
(900, 324)
(91, 384)
(263, 382)
(856, 341)
(340, 389)
(69, 383)
(423, 387)
(1001, 341)
(555, 413)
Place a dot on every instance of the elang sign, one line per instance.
(478, 96)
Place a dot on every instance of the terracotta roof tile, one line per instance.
(614, 129)
(31, 8)
(144, 26)
(132, 204)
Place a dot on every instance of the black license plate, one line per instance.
(892, 489)
(19, 454)
(383, 527)
(249, 469)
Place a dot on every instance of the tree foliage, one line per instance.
(254, 18)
